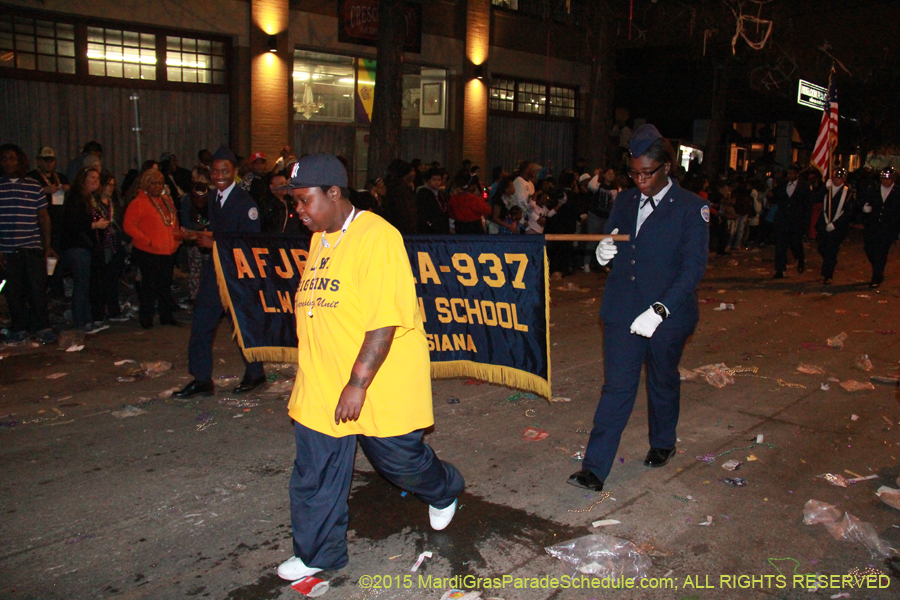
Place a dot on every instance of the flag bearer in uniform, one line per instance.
(834, 222)
(364, 373)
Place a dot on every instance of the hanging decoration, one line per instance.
(309, 106)
(761, 25)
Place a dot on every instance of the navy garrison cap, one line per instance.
(317, 170)
(642, 138)
(225, 153)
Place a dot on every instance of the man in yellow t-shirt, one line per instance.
(363, 371)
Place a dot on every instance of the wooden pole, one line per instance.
(584, 237)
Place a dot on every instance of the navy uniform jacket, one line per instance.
(664, 263)
(842, 223)
(789, 216)
(239, 215)
(884, 220)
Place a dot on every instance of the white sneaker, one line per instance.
(441, 517)
(293, 569)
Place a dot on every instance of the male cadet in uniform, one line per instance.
(231, 210)
(834, 221)
(882, 208)
(364, 373)
(791, 198)
(649, 306)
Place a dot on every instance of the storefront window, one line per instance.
(424, 97)
(37, 45)
(323, 86)
(118, 53)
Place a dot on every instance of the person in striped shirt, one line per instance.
(24, 247)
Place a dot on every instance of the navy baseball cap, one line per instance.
(225, 153)
(642, 138)
(317, 170)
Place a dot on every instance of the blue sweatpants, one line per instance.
(320, 486)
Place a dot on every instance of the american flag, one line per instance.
(828, 130)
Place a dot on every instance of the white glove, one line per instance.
(867, 208)
(606, 249)
(646, 323)
(829, 227)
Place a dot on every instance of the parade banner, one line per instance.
(484, 302)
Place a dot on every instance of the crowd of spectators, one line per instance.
(112, 248)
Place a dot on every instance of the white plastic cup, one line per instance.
(51, 265)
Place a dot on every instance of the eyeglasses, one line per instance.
(638, 175)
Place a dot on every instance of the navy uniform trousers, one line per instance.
(624, 356)
(208, 310)
(320, 485)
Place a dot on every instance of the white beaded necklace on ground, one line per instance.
(344, 228)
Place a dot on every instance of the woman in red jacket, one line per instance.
(152, 223)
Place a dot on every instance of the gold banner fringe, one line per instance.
(507, 376)
(226, 300)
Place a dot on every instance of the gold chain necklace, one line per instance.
(170, 208)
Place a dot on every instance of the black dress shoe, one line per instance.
(248, 385)
(778, 275)
(196, 388)
(658, 457)
(587, 480)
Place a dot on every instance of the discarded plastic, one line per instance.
(310, 586)
(422, 557)
(558, 399)
(815, 512)
(605, 523)
(732, 465)
(707, 522)
(452, 400)
(686, 375)
(736, 481)
(533, 434)
(851, 529)
(603, 556)
(837, 341)
(56, 375)
(836, 480)
(716, 375)
(810, 369)
(889, 496)
(128, 411)
(851, 385)
(155, 368)
(863, 363)
(724, 306)
(119, 363)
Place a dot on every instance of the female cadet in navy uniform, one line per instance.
(834, 221)
(231, 210)
(649, 306)
(882, 224)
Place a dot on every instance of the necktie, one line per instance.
(651, 201)
(219, 198)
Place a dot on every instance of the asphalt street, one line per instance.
(111, 489)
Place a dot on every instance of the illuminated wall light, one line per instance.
(273, 43)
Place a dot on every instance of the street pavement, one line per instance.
(174, 499)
